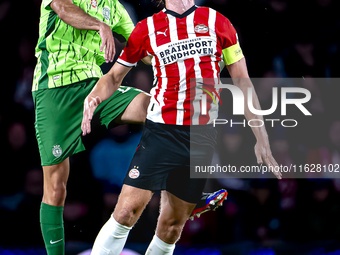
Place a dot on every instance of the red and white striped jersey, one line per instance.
(184, 47)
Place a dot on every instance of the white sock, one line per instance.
(111, 238)
(158, 247)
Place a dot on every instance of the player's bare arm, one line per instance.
(105, 88)
(147, 60)
(77, 18)
(239, 73)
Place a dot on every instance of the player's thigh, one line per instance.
(131, 203)
(135, 112)
(58, 114)
(109, 112)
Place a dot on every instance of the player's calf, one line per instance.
(172, 218)
(170, 231)
(112, 237)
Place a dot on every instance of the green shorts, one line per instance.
(59, 113)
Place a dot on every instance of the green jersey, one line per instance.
(67, 55)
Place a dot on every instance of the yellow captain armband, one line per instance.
(232, 54)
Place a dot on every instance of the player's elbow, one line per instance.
(60, 7)
(147, 60)
(63, 13)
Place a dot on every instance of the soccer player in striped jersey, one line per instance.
(186, 42)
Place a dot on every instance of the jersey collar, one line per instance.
(180, 16)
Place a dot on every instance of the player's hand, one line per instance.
(108, 42)
(264, 155)
(90, 105)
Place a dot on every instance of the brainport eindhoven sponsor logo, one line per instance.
(183, 49)
(239, 104)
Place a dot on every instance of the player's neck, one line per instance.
(179, 6)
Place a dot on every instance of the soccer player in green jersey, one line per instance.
(75, 38)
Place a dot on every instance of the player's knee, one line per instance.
(55, 194)
(59, 190)
(126, 216)
(171, 230)
(173, 233)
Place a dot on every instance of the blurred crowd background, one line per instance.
(280, 38)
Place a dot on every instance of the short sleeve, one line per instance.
(134, 49)
(46, 4)
(227, 35)
(125, 25)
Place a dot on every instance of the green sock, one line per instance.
(52, 228)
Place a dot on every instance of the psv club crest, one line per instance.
(94, 3)
(134, 173)
(201, 28)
